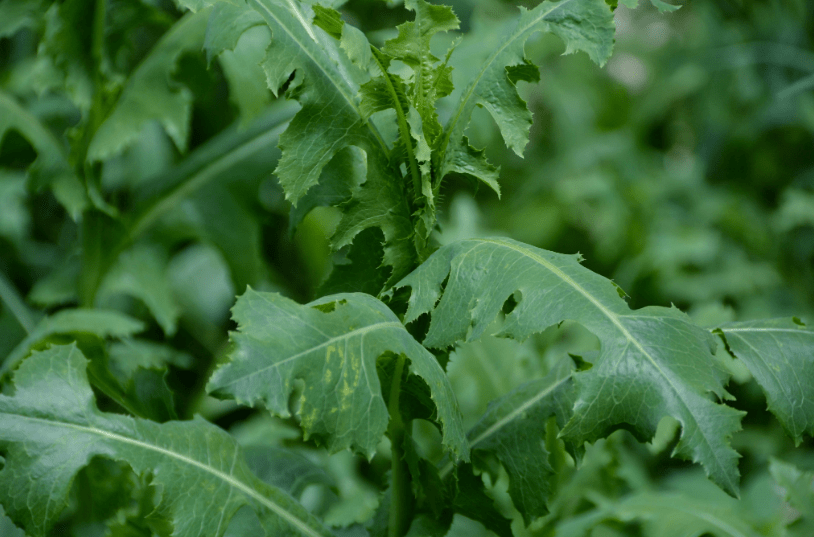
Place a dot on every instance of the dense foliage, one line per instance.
(271, 267)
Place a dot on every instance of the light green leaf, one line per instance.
(493, 85)
(660, 4)
(17, 14)
(332, 345)
(666, 515)
(325, 85)
(653, 362)
(798, 489)
(197, 5)
(780, 355)
(151, 94)
(412, 46)
(51, 427)
(513, 429)
(98, 322)
(141, 273)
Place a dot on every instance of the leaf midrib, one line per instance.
(615, 320)
(359, 331)
(234, 483)
(464, 100)
(329, 75)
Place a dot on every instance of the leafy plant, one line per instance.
(143, 204)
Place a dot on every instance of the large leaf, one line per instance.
(332, 345)
(513, 429)
(653, 362)
(493, 85)
(51, 427)
(780, 355)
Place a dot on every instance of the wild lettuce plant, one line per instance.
(87, 409)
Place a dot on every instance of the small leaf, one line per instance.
(798, 489)
(51, 427)
(332, 345)
(780, 355)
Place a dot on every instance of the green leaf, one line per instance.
(798, 489)
(493, 85)
(151, 94)
(141, 273)
(472, 501)
(51, 427)
(98, 322)
(51, 168)
(332, 345)
(662, 6)
(514, 428)
(326, 83)
(325, 86)
(653, 362)
(18, 14)
(412, 46)
(667, 515)
(778, 353)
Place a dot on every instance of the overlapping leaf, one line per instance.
(780, 355)
(513, 429)
(493, 85)
(51, 427)
(51, 168)
(653, 362)
(332, 345)
(152, 95)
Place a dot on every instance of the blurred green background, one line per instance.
(683, 170)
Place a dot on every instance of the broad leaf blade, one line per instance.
(780, 355)
(653, 363)
(51, 427)
(332, 345)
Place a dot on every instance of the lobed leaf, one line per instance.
(331, 345)
(653, 362)
(493, 86)
(151, 94)
(51, 427)
(780, 355)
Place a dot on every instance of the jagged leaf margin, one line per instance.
(51, 427)
(332, 345)
(653, 362)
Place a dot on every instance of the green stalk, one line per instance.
(401, 495)
(404, 130)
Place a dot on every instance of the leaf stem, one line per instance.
(404, 130)
(401, 498)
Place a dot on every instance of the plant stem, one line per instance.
(16, 305)
(401, 496)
